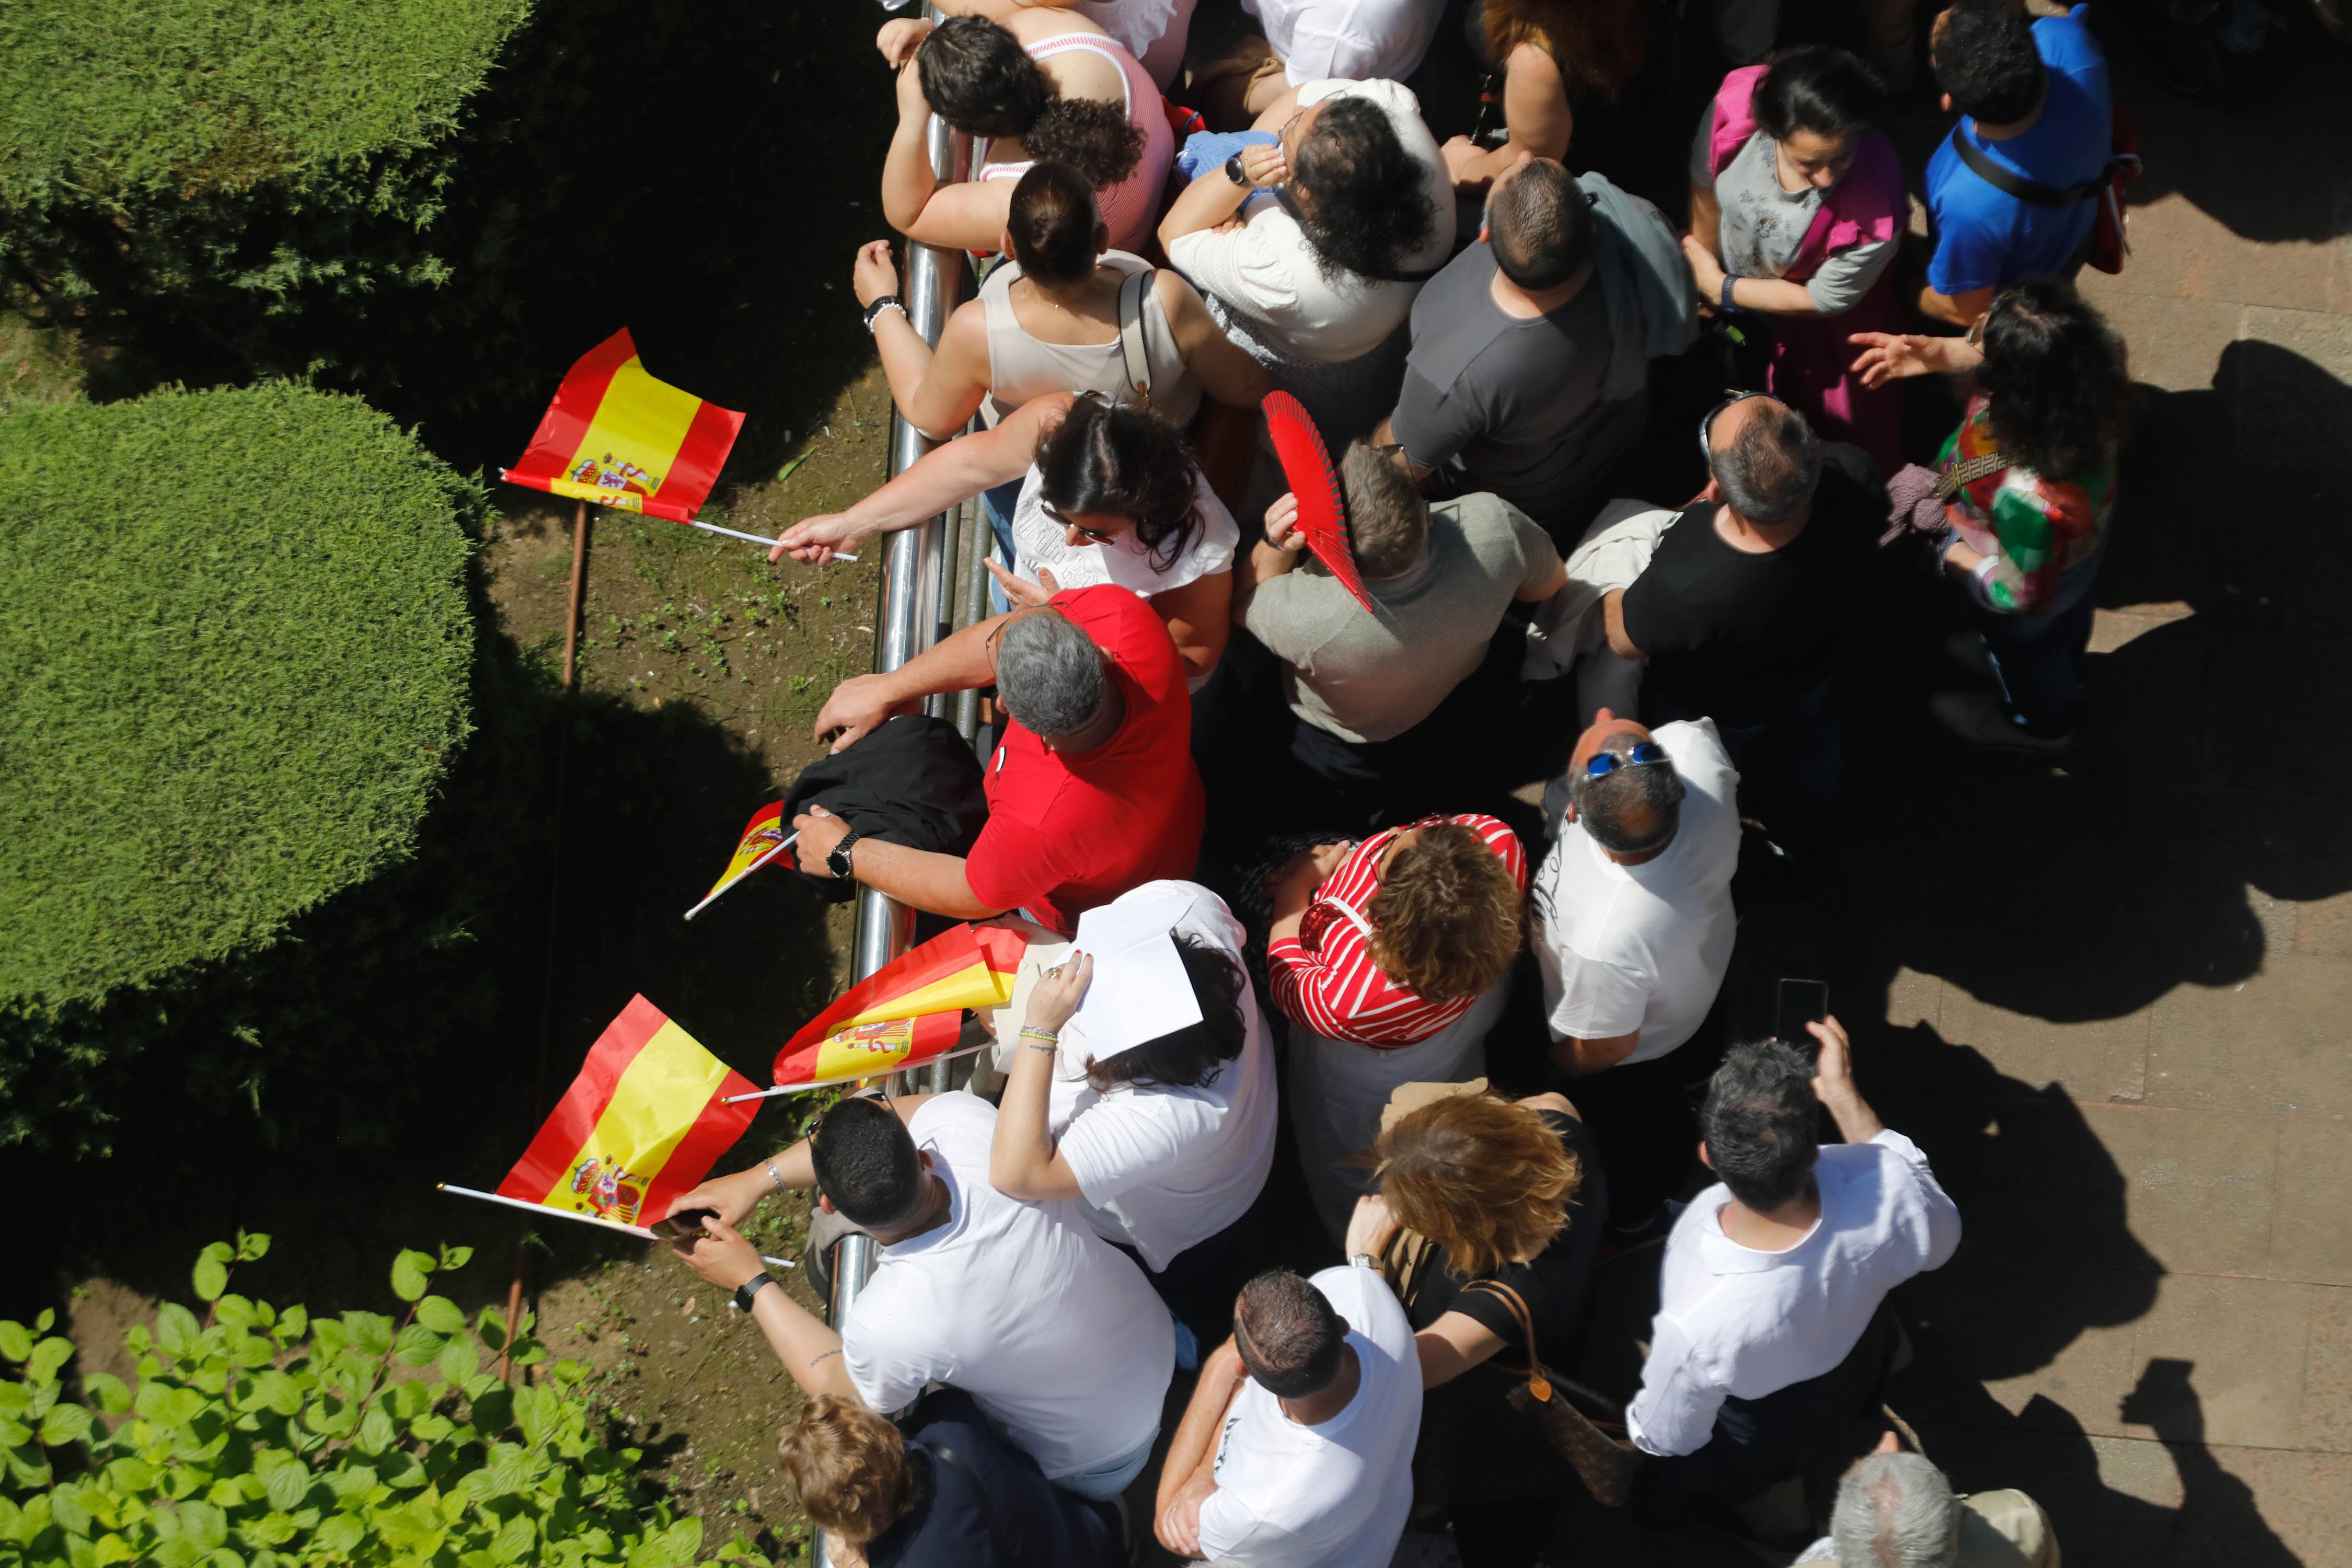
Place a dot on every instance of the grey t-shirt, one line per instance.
(1517, 402)
(1764, 227)
(1372, 675)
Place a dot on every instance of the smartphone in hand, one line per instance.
(1799, 1003)
(684, 1225)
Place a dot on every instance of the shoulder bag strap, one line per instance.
(1131, 344)
(1960, 475)
(2009, 183)
(1539, 1386)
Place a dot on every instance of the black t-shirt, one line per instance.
(983, 1503)
(1738, 638)
(1553, 1285)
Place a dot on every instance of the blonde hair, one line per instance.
(1599, 45)
(1445, 920)
(849, 1467)
(1482, 1176)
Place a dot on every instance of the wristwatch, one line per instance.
(750, 1287)
(886, 303)
(1363, 1260)
(837, 862)
(1234, 170)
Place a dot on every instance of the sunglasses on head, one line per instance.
(1644, 754)
(1055, 513)
(1705, 447)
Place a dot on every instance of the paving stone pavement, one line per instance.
(2117, 993)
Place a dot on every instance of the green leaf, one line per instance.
(211, 1272)
(417, 1346)
(458, 1360)
(15, 1343)
(340, 1534)
(47, 1357)
(45, 1321)
(457, 1257)
(66, 1506)
(376, 1432)
(410, 1271)
(514, 1540)
(287, 1484)
(292, 1323)
(175, 1330)
(113, 1397)
(672, 1548)
(441, 1315)
(202, 1525)
(252, 1245)
(65, 1423)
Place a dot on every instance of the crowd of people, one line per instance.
(1488, 1058)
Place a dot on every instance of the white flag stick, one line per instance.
(754, 866)
(760, 539)
(837, 1082)
(636, 1231)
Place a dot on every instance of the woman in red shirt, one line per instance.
(1388, 957)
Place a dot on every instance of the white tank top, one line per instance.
(1021, 367)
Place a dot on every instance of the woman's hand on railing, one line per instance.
(900, 38)
(874, 273)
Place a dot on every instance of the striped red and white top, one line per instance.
(1325, 979)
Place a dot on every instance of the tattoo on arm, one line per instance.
(818, 1361)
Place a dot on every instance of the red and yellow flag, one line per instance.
(641, 1124)
(907, 1013)
(764, 839)
(617, 436)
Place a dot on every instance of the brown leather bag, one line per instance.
(1603, 1464)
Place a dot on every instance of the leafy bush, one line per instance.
(266, 1437)
(239, 641)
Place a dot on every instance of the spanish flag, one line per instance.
(764, 839)
(617, 436)
(642, 1124)
(907, 1013)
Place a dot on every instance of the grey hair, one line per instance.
(1767, 474)
(1895, 1511)
(1051, 676)
(1634, 810)
(1388, 519)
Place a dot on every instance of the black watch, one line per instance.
(750, 1287)
(837, 862)
(1234, 171)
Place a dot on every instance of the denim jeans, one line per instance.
(1102, 1482)
(2038, 661)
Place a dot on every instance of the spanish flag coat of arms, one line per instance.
(617, 436)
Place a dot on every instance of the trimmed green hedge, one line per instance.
(238, 641)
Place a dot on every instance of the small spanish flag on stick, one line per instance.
(617, 436)
(905, 1014)
(764, 839)
(649, 1116)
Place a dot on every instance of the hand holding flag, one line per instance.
(764, 839)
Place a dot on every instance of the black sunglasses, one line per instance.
(1055, 513)
(1707, 448)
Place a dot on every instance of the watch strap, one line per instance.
(1234, 170)
(838, 862)
(750, 1287)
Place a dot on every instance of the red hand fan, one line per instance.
(1322, 511)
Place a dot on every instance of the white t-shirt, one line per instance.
(1361, 41)
(1644, 947)
(1164, 1169)
(1333, 1496)
(1038, 541)
(1059, 1338)
(1153, 31)
(1265, 271)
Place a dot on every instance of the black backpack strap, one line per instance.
(2009, 182)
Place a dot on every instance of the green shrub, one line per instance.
(238, 639)
(201, 166)
(266, 1438)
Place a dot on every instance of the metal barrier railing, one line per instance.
(932, 581)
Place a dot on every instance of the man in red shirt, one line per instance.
(1092, 790)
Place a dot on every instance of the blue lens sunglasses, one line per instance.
(1644, 754)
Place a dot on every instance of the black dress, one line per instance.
(1478, 1458)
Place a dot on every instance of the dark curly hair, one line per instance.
(1191, 1056)
(1126, 461)
(1366, 210)
(981, 80)
(1816, 87)
(2057, 395)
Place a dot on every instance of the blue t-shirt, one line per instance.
(1985, 238)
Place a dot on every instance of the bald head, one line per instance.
(1765, 459)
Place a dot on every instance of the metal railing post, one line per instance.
(916, 610)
